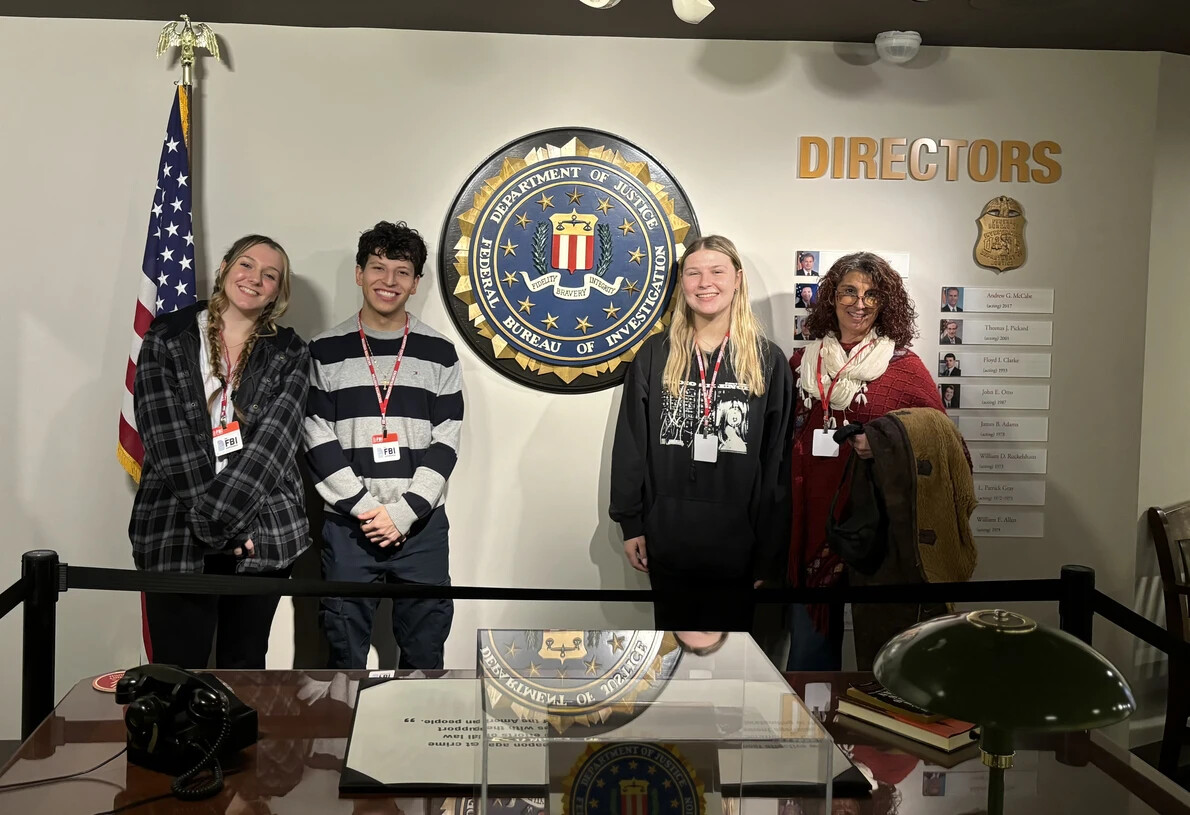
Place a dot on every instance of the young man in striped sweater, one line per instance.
(381, 436)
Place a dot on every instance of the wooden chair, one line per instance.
(1170, 529)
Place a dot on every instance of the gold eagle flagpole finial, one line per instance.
(188, 36)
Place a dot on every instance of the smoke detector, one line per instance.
(897, 46)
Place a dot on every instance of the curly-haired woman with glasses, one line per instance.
(856, 369)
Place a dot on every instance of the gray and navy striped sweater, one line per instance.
(342, 415)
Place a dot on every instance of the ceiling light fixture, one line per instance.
(692, 11)
(688, 11)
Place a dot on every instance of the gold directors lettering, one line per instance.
(897, 159)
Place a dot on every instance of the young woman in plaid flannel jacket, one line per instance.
(204, 504)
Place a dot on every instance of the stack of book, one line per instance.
(872, 703)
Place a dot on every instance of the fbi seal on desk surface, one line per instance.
(597, 679)
(559, 257)
(631, 778)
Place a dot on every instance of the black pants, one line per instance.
(690, 602)
(182, 627)
(811, 649)
(420, 627)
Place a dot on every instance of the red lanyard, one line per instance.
(826, 394)
(226, 385)
(383, 400)
(703, 390)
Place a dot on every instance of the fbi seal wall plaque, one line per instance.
(596, 679)
(628, 778)
(558, 257)
(1001, 242)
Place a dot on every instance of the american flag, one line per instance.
(167, 281)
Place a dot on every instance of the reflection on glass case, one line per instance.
(616, 722)
(596, 680)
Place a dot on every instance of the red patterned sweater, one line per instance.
(905, 384)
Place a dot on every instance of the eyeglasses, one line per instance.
(849, 296)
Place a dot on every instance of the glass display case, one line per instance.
(622, 722)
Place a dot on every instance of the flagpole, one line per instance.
(168, 279)
(187, 36)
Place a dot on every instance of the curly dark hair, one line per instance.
(397, 241)
(897, 317)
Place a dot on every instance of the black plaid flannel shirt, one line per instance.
(183, 511)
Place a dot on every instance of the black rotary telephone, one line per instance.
(181, 723)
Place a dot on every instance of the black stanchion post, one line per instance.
(39, 569)
(1076, 609)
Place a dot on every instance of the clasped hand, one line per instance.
(379, 528)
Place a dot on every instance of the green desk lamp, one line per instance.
(1006, 673)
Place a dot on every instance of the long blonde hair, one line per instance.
(747, 335)
(266, 323)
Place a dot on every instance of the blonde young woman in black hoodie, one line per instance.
(700, 462)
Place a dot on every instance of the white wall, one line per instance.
(1165, 435)
(312, 135)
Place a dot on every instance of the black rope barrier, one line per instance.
(1140, 627)
(13, 596)
(39, 632)
(102, 579)
(44, 578)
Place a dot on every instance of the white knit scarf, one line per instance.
(868, 360)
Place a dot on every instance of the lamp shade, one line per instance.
(1004, 672)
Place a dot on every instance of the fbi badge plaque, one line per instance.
(1001, 242)
(558, 257)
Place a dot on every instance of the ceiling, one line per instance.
(1134, 25)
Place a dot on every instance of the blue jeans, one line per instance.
(811, 649)
(420, 626)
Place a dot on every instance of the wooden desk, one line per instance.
(305, 719)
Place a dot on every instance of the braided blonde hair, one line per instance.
(266, 323)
